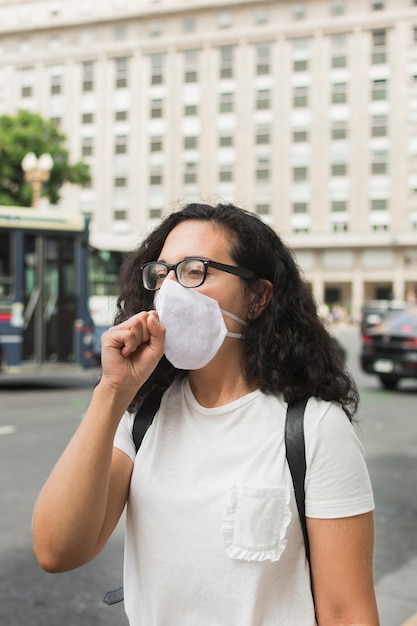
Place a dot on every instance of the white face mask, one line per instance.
(195, 328)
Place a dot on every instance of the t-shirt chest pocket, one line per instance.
(255, 523)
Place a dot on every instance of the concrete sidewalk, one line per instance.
(397, 596)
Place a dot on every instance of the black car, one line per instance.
(377, 311)
(389, 350)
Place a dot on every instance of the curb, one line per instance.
(412, 621)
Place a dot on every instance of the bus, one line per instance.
(44, 315)
(104, 265)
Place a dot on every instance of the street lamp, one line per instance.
(37, 171)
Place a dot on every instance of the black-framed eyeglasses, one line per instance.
(190, 272)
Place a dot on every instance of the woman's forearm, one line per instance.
(77, 503)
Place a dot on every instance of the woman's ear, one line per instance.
(261, 299)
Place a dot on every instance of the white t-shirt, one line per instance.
(213, 536)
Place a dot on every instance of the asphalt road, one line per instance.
(38, 418)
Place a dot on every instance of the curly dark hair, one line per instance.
(286, 349)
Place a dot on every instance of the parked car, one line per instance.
(389, 350)
(376, 311)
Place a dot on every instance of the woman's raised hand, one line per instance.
(131, 350)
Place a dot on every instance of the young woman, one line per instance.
(214, 312)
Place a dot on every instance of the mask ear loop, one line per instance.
(236, 319)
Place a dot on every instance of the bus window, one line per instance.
(104, 268)
(104, 271)
(6, 270)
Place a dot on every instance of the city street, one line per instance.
(37, 419)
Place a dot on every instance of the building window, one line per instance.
(379, 126)
(339, 50)
(298, 10)
(339, 130)
(190, 110)
(189, 24)
(120, 146)
(155, 213)
(119, 32)
(339, 93)
(379, 89)
(190, 174)
(339, 169)
(226, 103)
(120, 182)
(379, 204)
(300, 135)
(226, 173)
(120, 215)
(56, 84)
(87, 146)
(263, 58)
(156, 144)
(157, 69)
(261, 16)
(121, 72)
(379, 42)
(224, 19)
(300, 97)
(263, 209)
(155, 175)
(263, 135)
(190, 66)
(226, 61)
(300, 65)
(156, 108)
(263, 99)
(301, 46)
(337, 7)
(379, 162)
(56, 121)
(26, 82)
(299, 173)
(300, 207)
(87, 118)
(121, 116)
(225, 140)
(87, 76)
(377, 5)
(190, 142)
(339, 60)
(155, 28)
(263, 170)
(339, 206)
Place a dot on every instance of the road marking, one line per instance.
(7, 430)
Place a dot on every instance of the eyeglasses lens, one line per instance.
(153, 275)
(191, 273)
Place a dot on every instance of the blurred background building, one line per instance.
(303, 112)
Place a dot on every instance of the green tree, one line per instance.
(29, 132)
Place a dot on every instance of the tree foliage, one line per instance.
(29, 132)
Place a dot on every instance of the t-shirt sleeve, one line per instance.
(337, 478)
(123, 439)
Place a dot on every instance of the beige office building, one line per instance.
(304, 112)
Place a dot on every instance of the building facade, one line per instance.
(303, 112)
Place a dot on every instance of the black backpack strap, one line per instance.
(144, 417)
(296, 458)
